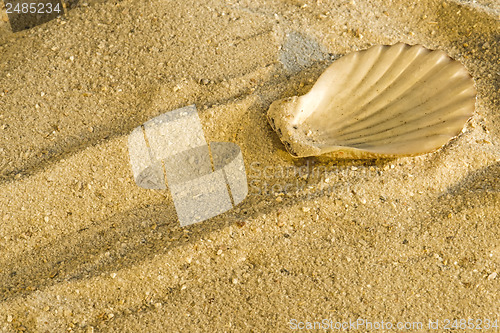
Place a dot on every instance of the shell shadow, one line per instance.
(480, 188)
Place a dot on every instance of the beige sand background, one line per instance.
(83, 249)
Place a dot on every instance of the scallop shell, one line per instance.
(386, 101)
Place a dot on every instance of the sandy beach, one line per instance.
(414, 240)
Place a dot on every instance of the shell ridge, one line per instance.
(416, 133)
(372, 78)
(383, 76)
(391, 135)
(381, 97)
(394, 102)
(347, 91)
(323, 85)
(426, 115)
(400, 107)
